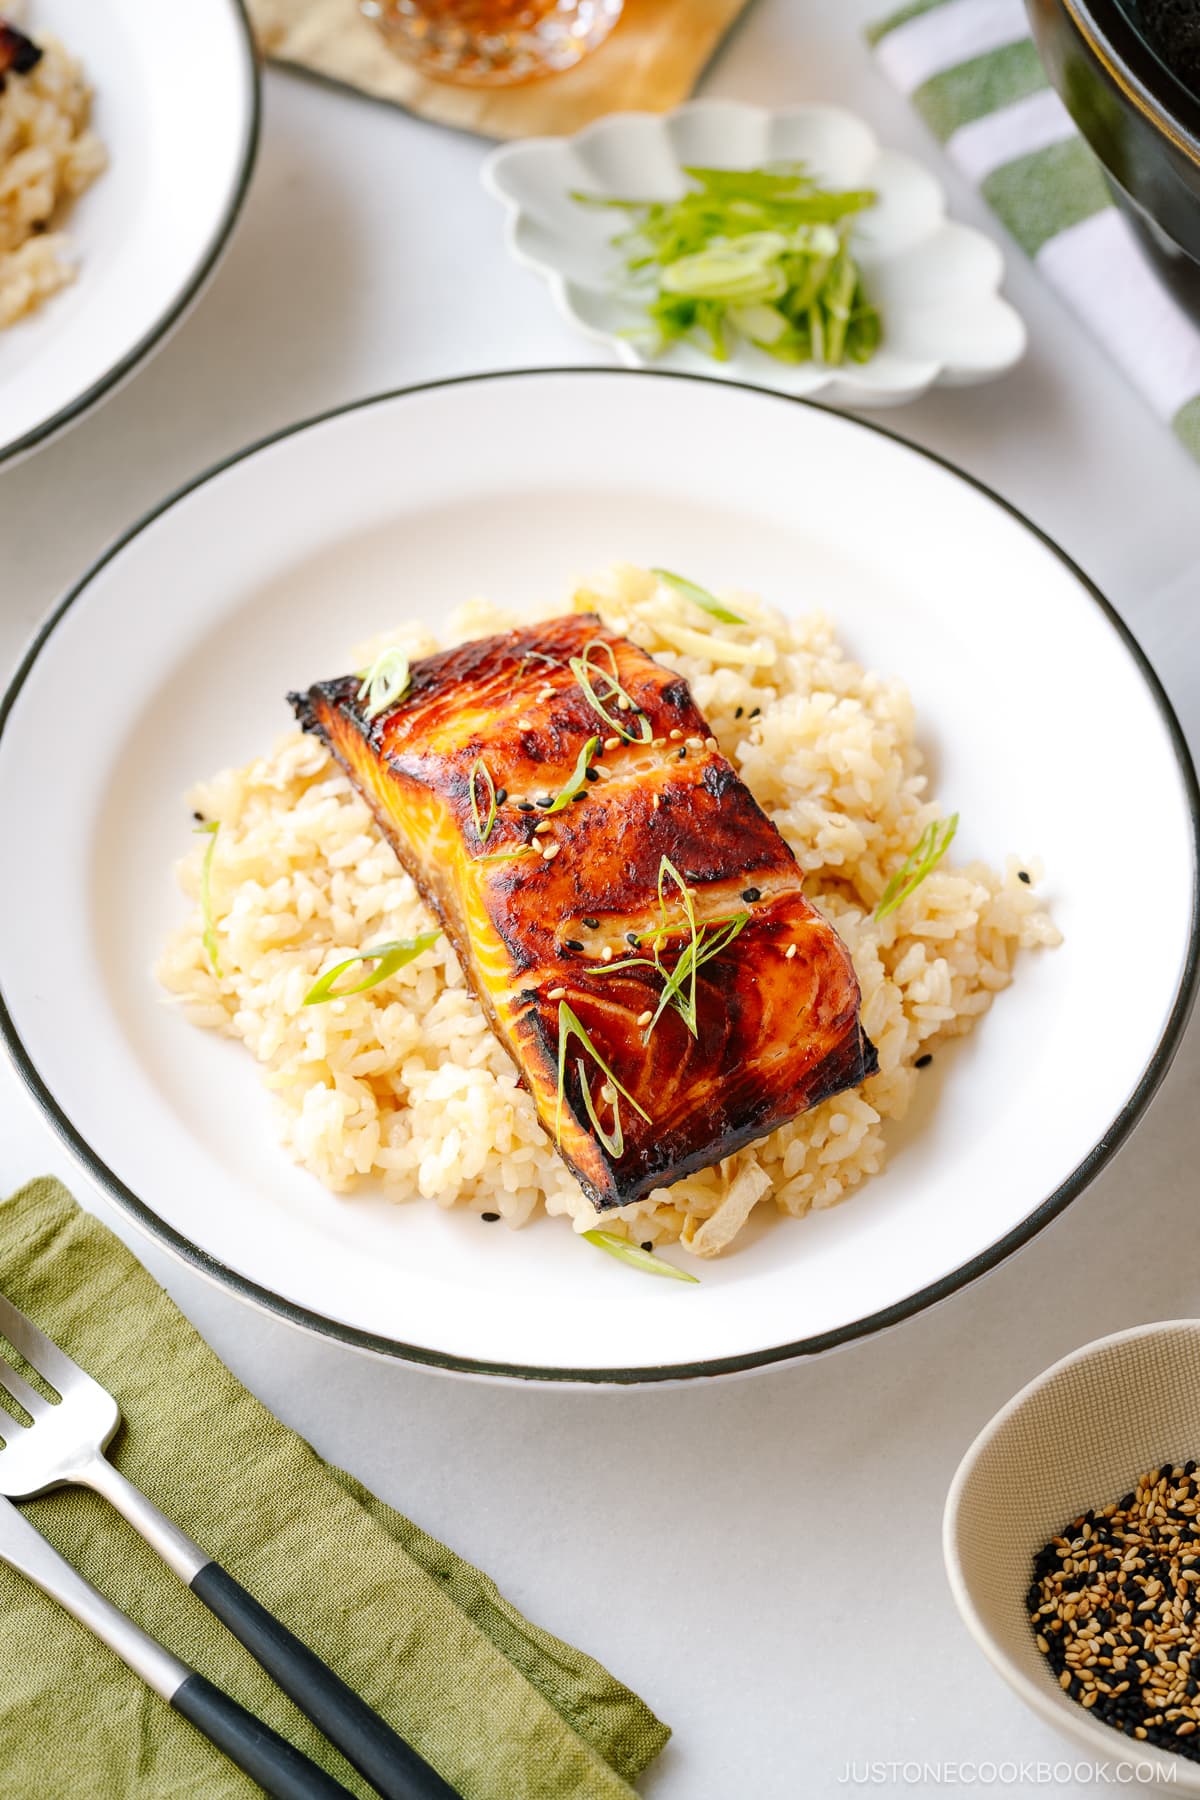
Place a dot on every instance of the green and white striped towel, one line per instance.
(972, 71)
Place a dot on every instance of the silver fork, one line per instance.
(64, 1446)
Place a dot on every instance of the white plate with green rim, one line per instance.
(1042, 717)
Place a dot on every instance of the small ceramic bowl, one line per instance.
(935, 282)
(1075, 1438)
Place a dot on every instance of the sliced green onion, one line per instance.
(390, 956)
(585, 672)
(705, 942)
(385, 682)
(614, 1140)
(210, 931)
(733, 272)
(577, 780)
(569, 1025)
(483, 827)
(685, 967)
(507, 855)
(931, 846)
(700, 597)
(760, 253)
(633, 1254)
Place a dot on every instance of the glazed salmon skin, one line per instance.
(570, 933)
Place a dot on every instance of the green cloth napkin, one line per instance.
(501, 1708)
(970, 68)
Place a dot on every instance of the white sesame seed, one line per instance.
(675, 734)
(625, 704)
(524, 724)
(791, 951)
(612, 743)
(695, 743)
(658, 742)
(551, 852)
(544, 826)
(645, 1018)
(606, 954)
(710, 743)
(657, 802)
(558, 993)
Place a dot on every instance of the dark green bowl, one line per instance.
(1138, 117)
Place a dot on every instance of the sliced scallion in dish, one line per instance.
(570, 1025)
(385, 682)
(577, 779)
(587, 673)
(210, 931)
(700, 597)
(390, 958)
(641, 1259)
(481, 772)
(931, 846)
(760, 254)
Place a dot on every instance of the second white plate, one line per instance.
(1047, 733)
(176, 105)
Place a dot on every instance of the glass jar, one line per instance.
(493, 43)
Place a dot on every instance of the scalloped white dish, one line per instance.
(936, 283)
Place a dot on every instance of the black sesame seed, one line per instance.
(648, 1247)
(547, 800)
(199, 816)
(682, 752)
(631, 937)
(1023, 876)
(572, 944)
(592, 774)
(524, 806)
(581, 795)
(489, 1218)
(754, 714)
(751, 894)
(923, 1062)
(501, 796)
(739, 712)
(592, 924)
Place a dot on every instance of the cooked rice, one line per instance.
(47, 156)
(406, 1081)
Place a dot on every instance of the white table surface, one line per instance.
(760, 1558)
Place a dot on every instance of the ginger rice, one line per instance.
(405, 1083)
(48, 155)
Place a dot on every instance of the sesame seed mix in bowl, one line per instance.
(1115, 1608)
(405, 1081)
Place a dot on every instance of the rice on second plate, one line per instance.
(47, 156)
(407, 1083)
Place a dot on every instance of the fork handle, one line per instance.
(368, 1742)
(277, 1766)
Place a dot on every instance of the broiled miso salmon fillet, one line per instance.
(630, 920)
